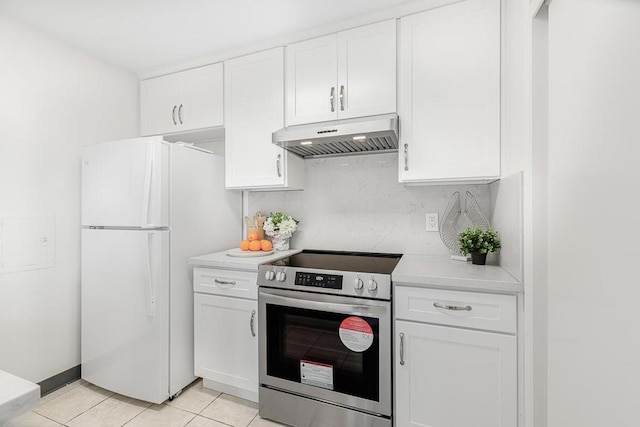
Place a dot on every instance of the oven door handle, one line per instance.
(324, 306)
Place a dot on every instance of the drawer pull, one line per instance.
(452, 307)
(225, 282)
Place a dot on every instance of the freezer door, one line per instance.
(126, 183)
(125, 312)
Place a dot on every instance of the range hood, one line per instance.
(363, 135)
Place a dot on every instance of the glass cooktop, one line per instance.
(366, 262)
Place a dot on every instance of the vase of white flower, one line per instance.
(280, 227)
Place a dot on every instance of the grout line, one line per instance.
(193, 418)
(88, 409)
(214, 399)
(213, 419)
(136, 416)
(45, 417)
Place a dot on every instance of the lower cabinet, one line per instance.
(448, 376)
(226, 344)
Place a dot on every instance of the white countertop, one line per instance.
(17, 396)
(222, 260)
(442, 272)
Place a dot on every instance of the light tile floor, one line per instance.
(81, 404)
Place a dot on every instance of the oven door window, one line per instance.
(307, 342)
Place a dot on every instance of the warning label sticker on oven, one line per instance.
(316, 374)
(356, 334)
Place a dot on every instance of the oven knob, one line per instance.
(269, 275)
(358, 284)
(372, 285)
(280, 276)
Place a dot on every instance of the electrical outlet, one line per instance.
(432, 222)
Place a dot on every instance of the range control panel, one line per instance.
(334, 282)
(329, 281)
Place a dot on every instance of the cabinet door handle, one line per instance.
(173, 115)
(406, 157)
(452, 307)
(342, 98)
(278, 165)
(180, 114)
(225, 282)
(401, 348)
(253, 316)
(332, 99)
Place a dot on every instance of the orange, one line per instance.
(266, 245)
(244, 245)
(254, 245)
(252, 236)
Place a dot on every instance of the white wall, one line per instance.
(594, 219)
(514, 88)
(537, 234)
(53, 100)
(355, 203)
(538, 239)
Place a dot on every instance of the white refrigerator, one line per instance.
(147, 206)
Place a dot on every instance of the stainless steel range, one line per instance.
(325, 339)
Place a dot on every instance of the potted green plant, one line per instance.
(478, 243)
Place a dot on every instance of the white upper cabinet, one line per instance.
(312, 67)
(450, 93)
(367, 70)
(159, 101)
(202, 94)
(184, 101)
(254, 109)
(343, 75)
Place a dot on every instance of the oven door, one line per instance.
(333, 348)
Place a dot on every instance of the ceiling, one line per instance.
(142, 35)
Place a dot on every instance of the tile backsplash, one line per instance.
(356, 203)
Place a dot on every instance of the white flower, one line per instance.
(269, 228)
(285, 227)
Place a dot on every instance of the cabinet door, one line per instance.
(159, 101)
(201, 97)
(450, 93)
(312, 92)
(367, 70)
(454, 377)
(254, 109)
(226, 342)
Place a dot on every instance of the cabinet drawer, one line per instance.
(490, 312)
(242, 284)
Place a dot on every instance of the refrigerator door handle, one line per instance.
(146, 200)
(151, 303)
